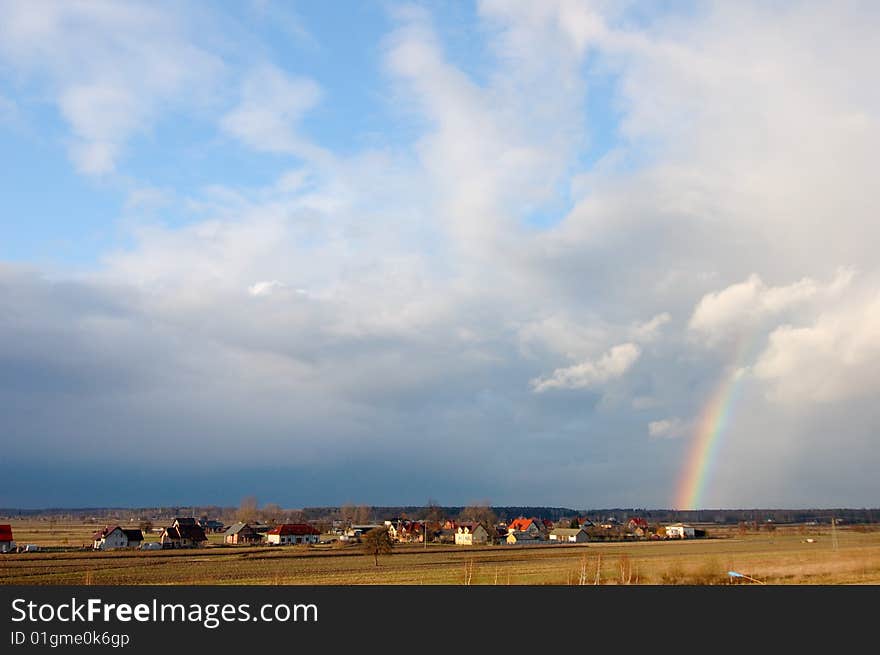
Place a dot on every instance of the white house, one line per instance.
(292, 533)
(115, 537)
(470, 534)
(569, 535)
(680, 531)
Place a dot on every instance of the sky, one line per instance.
(588, 254)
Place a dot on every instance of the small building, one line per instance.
(569, 535)
(445, 536)
(241, 533)
(183, 533)
(680, 531)
(7, 543)
(292, 533)
(112, 537)
(211, 525)
(355, 532)
(470, 534)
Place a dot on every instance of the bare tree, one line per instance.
(377, 542)
(433, 512)
(346, 513)
(480, 513)
(272, 513)
(362, 514)
(247, 510)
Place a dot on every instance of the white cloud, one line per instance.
(613, 364)
(271, 106)
(110, 67)
(835, 358)
(266, 287)
(747, 302)
(561, 335)
(650, 330)
(491, 153)
(668, 428)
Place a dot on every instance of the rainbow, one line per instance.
(713, 419)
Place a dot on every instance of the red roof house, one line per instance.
(523, 524)
(6, 541)
(293, 533)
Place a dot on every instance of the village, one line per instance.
(192, 532)
(433, 545)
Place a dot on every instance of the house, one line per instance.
(569, 535)
(211, 525)
(469, 534)
(636, 523)
(445, 536)
(411, 531)
(7, 543)
(292, 533)
(112, 537)
(354, 532)
(241, 533)
(524, 525)
(637, 526)
(406, 531)
(522, 530)
(183, 533)
(680, 531)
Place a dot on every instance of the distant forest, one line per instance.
(381, 513)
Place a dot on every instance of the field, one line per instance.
(850, 556)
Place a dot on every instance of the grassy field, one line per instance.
(780, 557)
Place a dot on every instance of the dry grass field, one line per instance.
(780, 557)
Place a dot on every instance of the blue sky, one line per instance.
(491, 251)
